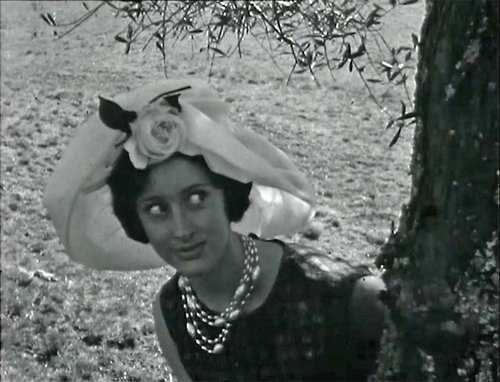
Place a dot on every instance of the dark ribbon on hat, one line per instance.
(113, 116)
(172, 97)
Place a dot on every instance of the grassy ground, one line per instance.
(97, 325)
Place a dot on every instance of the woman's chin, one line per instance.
(195, 262)
(192, 267)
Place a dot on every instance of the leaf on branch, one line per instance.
(222, 19)
(85, 5)
(348, 11)
(347, 52)
(414, 38)
(47, 17)
(129, 32)
(373, 80)
(391, 122)
(403, 108)
(359, 52)
(131, 15)
(372, 18)
(195, 31)
(407, 2)
(160, 48)
(217, 50)
(408, 56)
(403, 79)
(401, 48)
(120, 39)
(394, 74)
(409, 115)
(312, 36)
(305, 44)
(51, 19)
(342, 63)
(343, 35)
(396, 136)
(386, 65)
(351, 64)
(211, 35)
(413, 121)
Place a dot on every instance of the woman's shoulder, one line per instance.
(169, 291)
(321, 266)
(358, 284)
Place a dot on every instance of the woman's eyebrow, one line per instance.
(195, 186)
(146, 199)
(187, 190)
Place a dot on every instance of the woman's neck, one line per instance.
(216, 289)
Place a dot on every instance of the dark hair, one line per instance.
(126, 183)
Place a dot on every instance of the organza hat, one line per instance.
(151, 123)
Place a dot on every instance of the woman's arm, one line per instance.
(168, 346)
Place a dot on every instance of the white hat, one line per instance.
(79, 201)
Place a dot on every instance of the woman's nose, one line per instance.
(182, 228)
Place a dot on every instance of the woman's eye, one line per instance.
(155, 209)
(197, 198)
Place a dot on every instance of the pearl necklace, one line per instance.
(196, 316)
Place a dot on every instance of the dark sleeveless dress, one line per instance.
(300, 333)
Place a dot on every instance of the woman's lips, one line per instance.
(189, 252)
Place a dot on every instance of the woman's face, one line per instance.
(183, 216)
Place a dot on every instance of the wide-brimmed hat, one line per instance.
(79, 201)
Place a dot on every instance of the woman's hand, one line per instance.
(367, 319)
(366, 312)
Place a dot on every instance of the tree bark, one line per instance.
(453, 210)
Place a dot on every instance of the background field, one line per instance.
(96, 325)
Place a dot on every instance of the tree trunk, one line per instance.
(451, 219)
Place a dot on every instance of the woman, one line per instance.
(199, 195)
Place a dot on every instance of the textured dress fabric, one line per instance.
(300, 333)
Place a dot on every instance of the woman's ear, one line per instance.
(367, 313)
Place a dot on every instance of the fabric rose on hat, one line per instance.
(157, 133)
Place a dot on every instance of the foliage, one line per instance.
(317, 35)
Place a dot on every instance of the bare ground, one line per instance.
(97, 325)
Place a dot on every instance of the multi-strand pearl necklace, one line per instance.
(196, 316)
